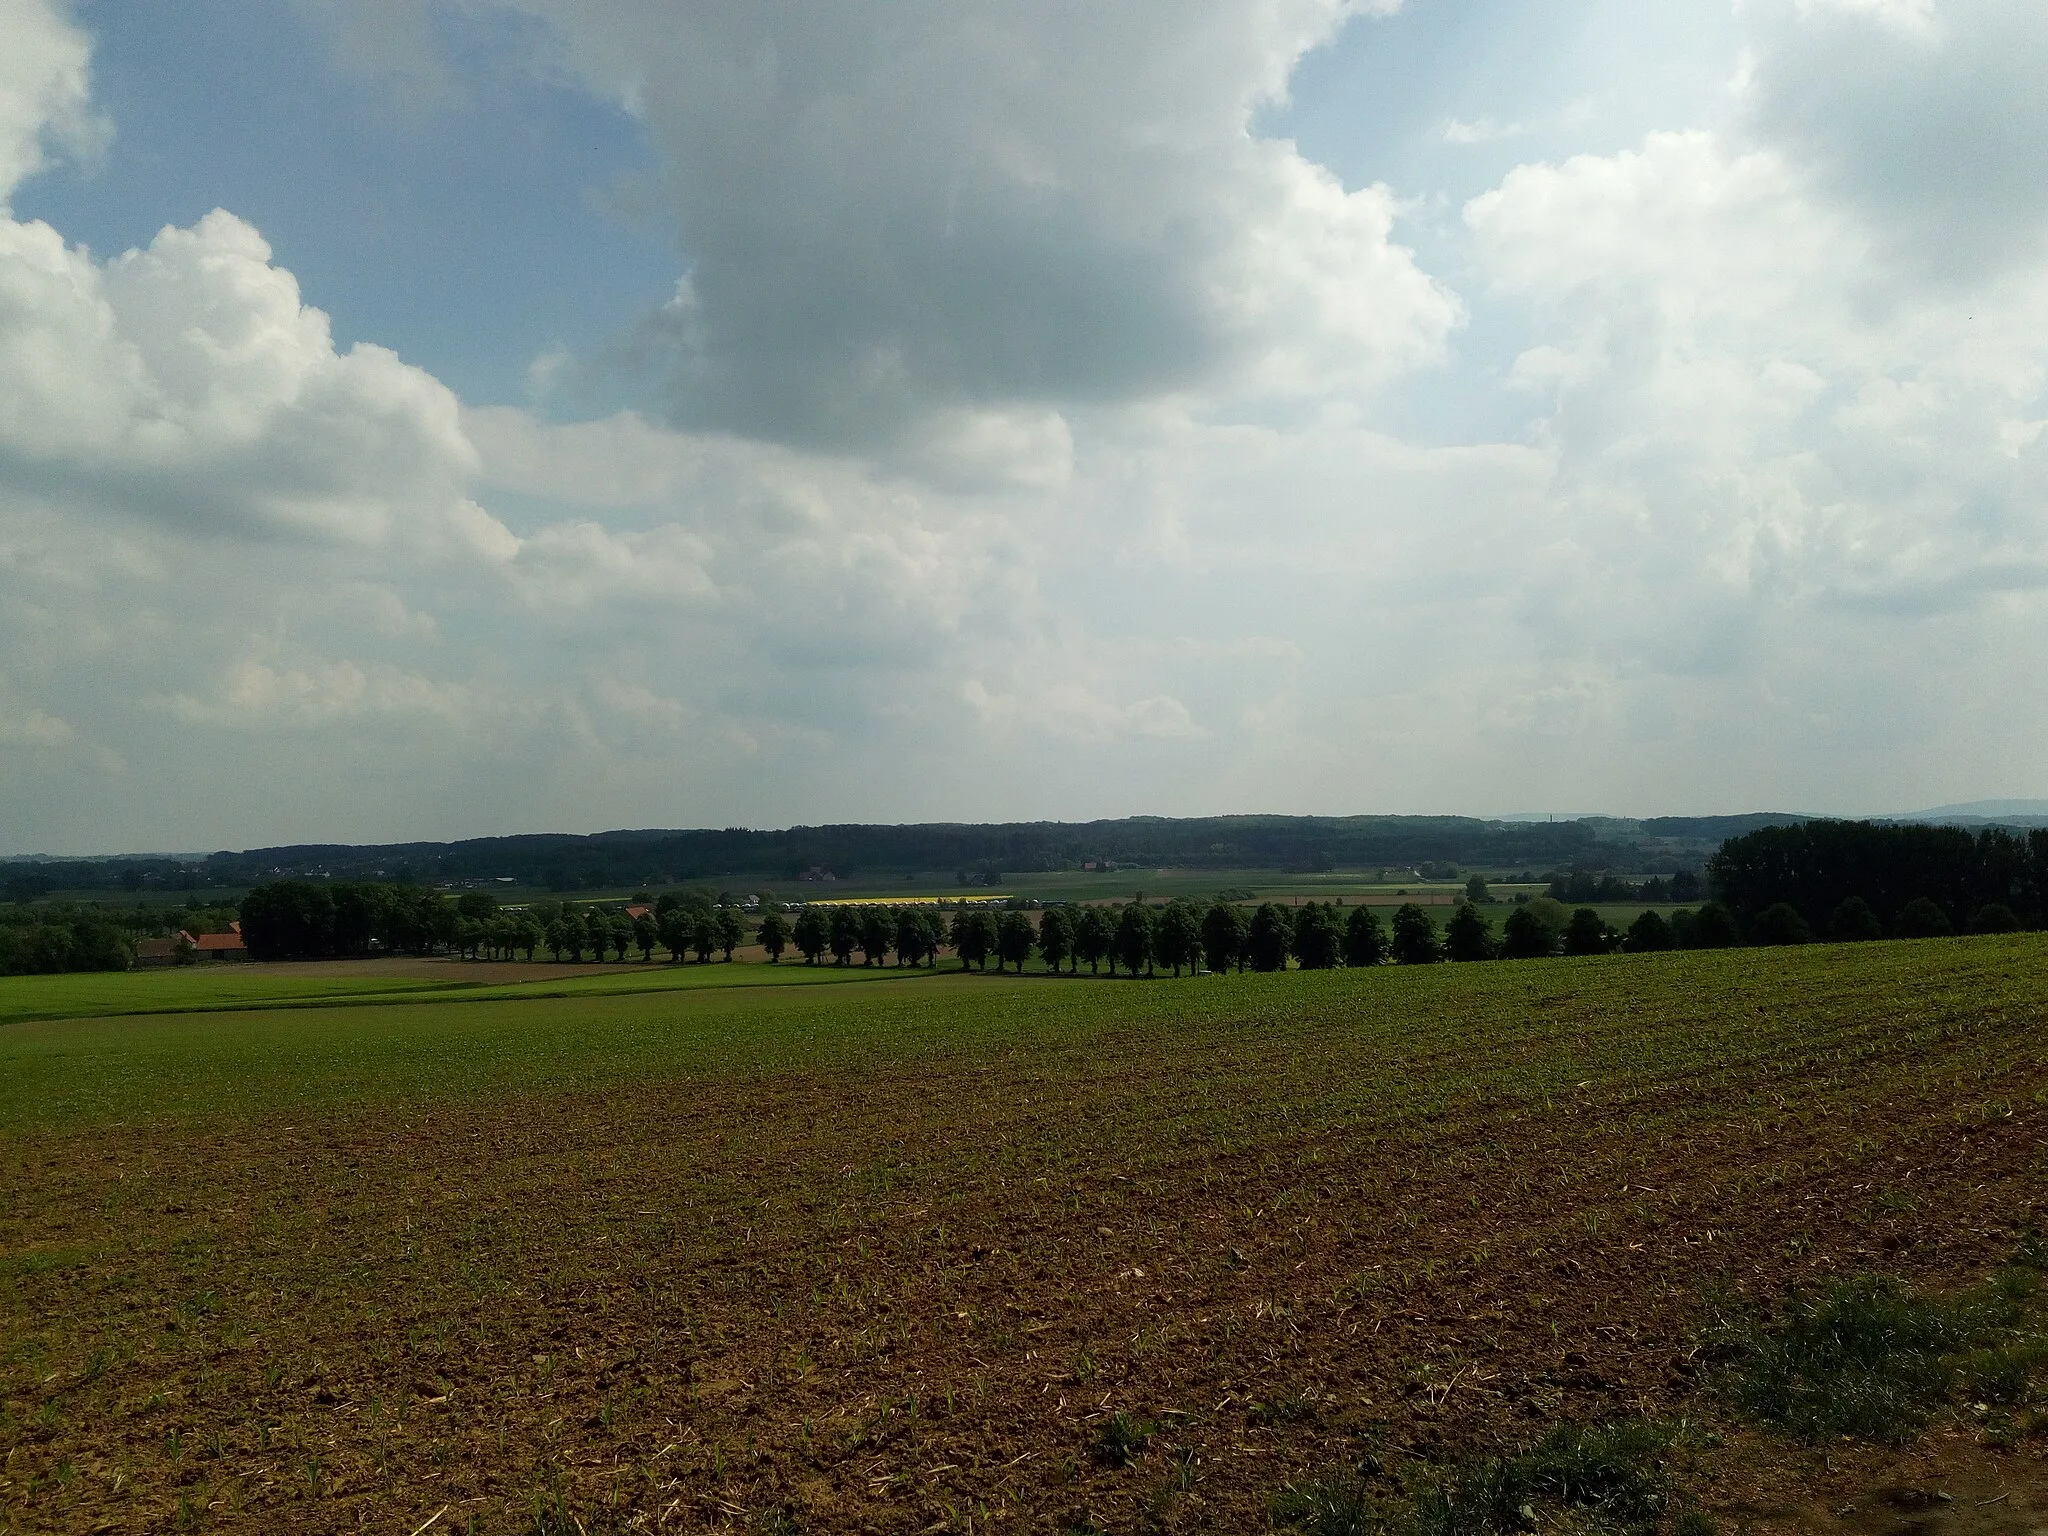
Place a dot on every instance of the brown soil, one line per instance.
(862, 1298)
(1945, 1486)
(444, 968)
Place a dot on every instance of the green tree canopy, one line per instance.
(1648, 934)
(1268, 938)
(974, 936)
(843, 930)
(1526, 936)
(1712, 927)
(1853, 922)
(1133, 942)
(1922, 918)
(1415, 941)
(1780, 924)
(1094, 930)
(1588, 934)
(1015, 939)
(731, 929)
(877, 934)
(1177, 937)
(1995, 917)
(1224, 927)
(1318, 940)
(1365, 938)
(1467, 936)
(811, 933)
(1056, 936)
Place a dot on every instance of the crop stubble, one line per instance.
(894, 1272)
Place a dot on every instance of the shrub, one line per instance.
(1996, 917)
(1922, 918)
(1780, 924)
(1647, 934)
(1713, 927)
(1854, 922)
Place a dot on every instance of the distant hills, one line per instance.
(976, 853)
(2020, 813)
(981, 852)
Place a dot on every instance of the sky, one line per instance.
(444, 418)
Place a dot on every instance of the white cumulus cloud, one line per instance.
(891, 208)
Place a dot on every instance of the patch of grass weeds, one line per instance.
(2032, 1252)
(1480, 1498)
(1870, 1359)
(2003, 1374)
(553, 1518)
(1336, 1505)
(1297, 1407)
(1614, 1474)
(1121, 1439)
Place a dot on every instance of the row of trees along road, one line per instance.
(1185, 936)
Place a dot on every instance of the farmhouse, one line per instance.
(150, 953)
(218, 946)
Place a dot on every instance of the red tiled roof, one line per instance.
(638, 911)
(218, 941)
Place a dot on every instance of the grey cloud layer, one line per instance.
(1927, 116)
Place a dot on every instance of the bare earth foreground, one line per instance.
(888, 1257)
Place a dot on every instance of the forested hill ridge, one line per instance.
(656, 856)
(1627, 847)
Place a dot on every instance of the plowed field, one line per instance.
(886, 1258)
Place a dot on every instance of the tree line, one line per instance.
(45, 940)
(1774, 885)
(1851, 880)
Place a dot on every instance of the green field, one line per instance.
(664, 1252)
